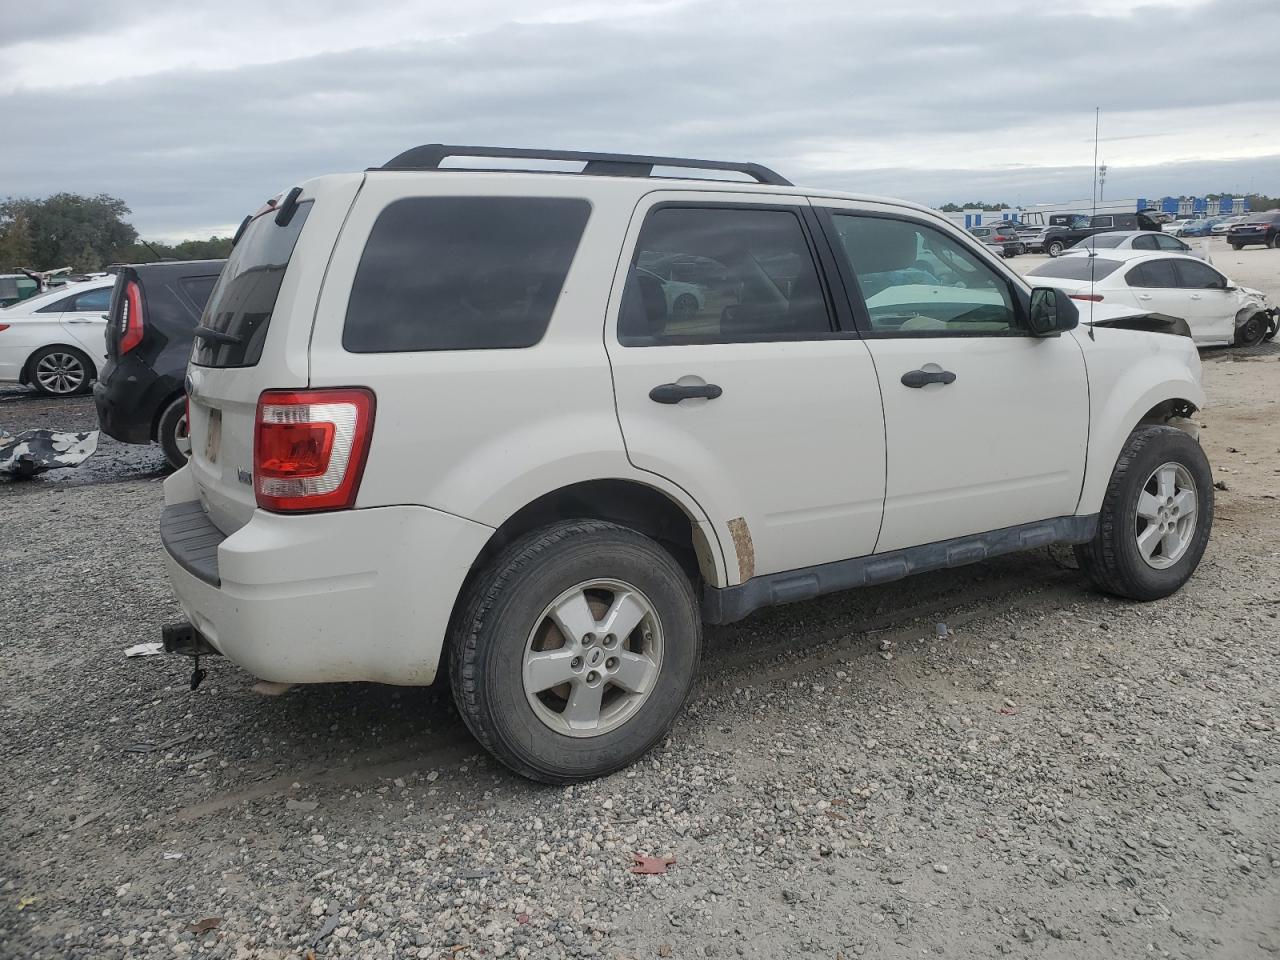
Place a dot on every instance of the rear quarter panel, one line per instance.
(482, 433)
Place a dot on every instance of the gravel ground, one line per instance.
(987, 761)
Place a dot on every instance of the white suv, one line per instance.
(458, 415)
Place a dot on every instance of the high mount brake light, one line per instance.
(310, 447)
(131, 325)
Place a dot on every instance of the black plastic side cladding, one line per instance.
(727, 604)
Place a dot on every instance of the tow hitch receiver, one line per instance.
(185, 640)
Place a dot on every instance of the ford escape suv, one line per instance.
(538, 427)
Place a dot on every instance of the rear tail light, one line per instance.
(309, 448)
(130, 318)
(1091, 297)
(3, 327)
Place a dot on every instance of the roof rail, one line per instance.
(429, 156)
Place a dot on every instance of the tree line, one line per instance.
(85, 234)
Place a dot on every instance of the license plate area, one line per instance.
(213, 435)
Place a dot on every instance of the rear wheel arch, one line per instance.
(160, 411)
(628, 503)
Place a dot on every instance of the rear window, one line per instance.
(462, 273)
(1102, 242)
(242, 300)
(1076, 268)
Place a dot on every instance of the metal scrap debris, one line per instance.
(25, 454)
(650, 865)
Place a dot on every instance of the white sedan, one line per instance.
(1147, 241)
(55, 341)
(1217, 311)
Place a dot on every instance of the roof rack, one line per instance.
(429, 156)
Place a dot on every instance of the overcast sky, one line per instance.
(196, 113)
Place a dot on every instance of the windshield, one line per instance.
(1076, 268)
(241, 304)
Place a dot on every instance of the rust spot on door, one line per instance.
(743, 547)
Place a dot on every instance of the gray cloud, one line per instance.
(829, 93)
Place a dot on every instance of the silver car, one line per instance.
(1139, 240)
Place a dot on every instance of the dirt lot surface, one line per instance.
(981, 762)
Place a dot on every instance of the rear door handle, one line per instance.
(919, 378)
(1144, 296)
(1195, 296)
(675, 392)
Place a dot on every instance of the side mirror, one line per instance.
(1052, 312)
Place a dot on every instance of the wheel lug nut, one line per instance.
(588, 639)
(576, 663)
(611, 663)
(592, 677)
(610, 640)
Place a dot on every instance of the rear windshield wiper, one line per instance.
(217, 336)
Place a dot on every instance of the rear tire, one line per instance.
(171, 433)
(61, 371)
(1236, 247)
(1274, 242)
(1055, 248)
(1141, 512)
(555, 590)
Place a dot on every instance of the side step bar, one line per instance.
(729, 604)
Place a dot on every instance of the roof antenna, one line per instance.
(1093, 253)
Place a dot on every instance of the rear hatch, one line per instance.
(254, 336)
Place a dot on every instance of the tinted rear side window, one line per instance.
(1076, 268)
(245, 295)
(198, 289)
(1154, 273)
(462, 273)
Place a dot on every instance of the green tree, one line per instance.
(16, 250)
(68, 230)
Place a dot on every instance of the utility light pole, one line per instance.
(1102, 179)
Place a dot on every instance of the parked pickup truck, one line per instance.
(1065, 230)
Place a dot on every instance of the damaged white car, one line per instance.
(1217, 311)
(445, 419)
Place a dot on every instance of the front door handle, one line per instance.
(919, 378)
(1144, 296)
(675, 392)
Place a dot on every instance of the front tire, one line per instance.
(1253, 331)
(1155, 519)
(171, 433)
(61, 371)
(1274, 242)
(574, 650)
(1236, 247)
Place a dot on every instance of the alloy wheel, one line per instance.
(1166, 519)
(592, 658)
(60, 373)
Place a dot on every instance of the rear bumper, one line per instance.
(349, 595)
(1247, 237)
(129, 396)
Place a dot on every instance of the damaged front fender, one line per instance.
(1149, 322)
